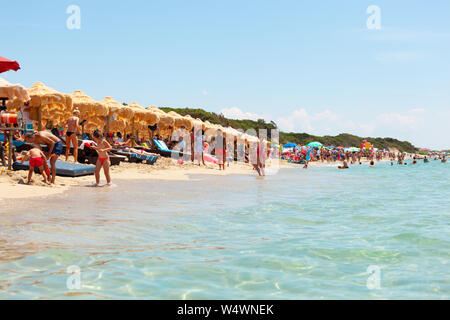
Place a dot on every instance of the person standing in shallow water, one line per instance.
(71, 129)
(103, 161)
(221, 152)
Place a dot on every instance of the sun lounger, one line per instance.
(143, 157)
(136, 157)
(88, 154)
(15, 142)
(64, 169)
(162, 149)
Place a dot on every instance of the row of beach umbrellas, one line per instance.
(48, 106)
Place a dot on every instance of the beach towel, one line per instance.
(86, 143)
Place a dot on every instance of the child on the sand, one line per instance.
(102, 149)
(37, 160)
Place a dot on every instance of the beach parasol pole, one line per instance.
(40, 118)
(107, 126)
(10, 149)
(132, 133)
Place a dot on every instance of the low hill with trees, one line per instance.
(343, 139)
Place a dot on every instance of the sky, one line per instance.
(310, 66)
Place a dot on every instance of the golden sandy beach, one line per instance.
(13, 185)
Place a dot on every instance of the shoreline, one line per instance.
(13, 186)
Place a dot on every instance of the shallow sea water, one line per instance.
(300, 234)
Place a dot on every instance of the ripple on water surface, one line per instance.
(301, 234)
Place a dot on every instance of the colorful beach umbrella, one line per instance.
(315, 145)
(289, 145)
(6, 65)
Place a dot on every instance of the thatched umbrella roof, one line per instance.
(208, 125)
(13, 91)
(41, 95)
(147, 117)
(87, 106)
(118, 109)
(165, 120)
(179, 121)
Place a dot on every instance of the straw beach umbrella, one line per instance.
(46, 104)
(90, 110)
(146, 116)
(165, 119)
(120, 117)
(88, 107)
(180, 121)
(13, 91)
(143, 118)
(117, 109)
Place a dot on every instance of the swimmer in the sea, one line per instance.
(344, 165)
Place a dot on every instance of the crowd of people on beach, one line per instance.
(339, 154)
(195, 146)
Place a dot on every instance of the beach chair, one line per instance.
(135, 157)
(162, 149)
(89, 155)
(143, 157)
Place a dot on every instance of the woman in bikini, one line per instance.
(221, 151)
(71, 128)
(102, 149)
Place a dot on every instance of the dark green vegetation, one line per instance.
(343, 140)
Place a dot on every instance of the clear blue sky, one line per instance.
(309, 65)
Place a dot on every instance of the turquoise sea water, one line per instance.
(300, 234)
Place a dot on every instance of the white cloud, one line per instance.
(408, 125)
(322, 123)
(205, 93)
(238, 114)
(299, 121)
(409, 119)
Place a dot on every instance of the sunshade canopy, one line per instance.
(6, 65)
(290, 145)
(315, 144)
